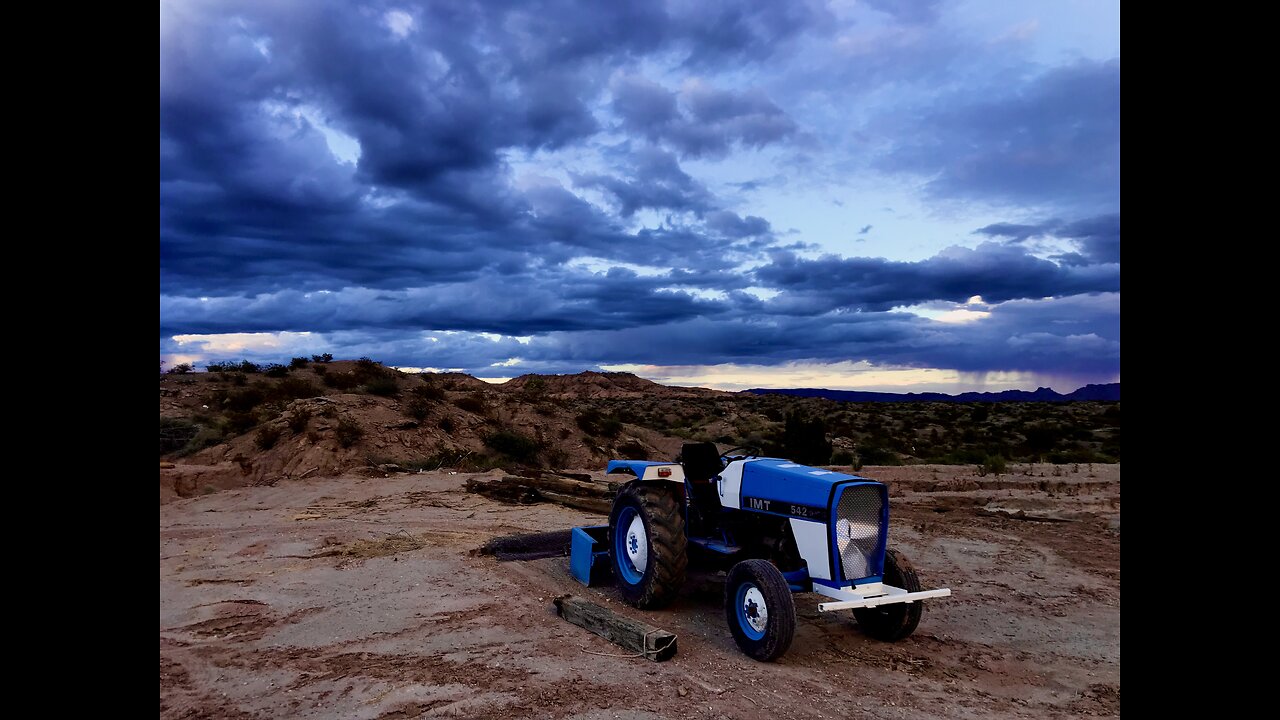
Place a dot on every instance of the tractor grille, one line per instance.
(859, 535)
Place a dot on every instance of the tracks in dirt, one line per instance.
(248, 631)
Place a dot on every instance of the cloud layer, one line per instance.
(570, 185)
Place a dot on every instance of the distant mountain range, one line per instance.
(1109, 392)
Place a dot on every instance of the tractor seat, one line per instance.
(701, 462)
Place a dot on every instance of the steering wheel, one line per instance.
(727, 455)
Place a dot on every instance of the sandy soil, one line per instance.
(363, 598)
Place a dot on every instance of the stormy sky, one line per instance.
(856, 193)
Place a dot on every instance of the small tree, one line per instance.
(805, 439)
(348, 432)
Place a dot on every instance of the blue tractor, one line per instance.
(785, 528)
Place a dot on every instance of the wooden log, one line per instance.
(539, 473)
(562, 485)
(640, 638)
(599, 506)
(506, 492)
(570, 493)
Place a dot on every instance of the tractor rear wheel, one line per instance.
(893, 622)
(647, 544)
(760, 610)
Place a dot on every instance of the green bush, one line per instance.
(417, 408)
(534, 388)
(208, 436)
(248, 367)
(298, 363)
(176, 433)
(275, 370)
(341, 380)
(841, 457)
(513, 445)
(348, 432)
(473, 403)
(267, 437)
(1043, 437)
(292, 388)
(993, 465)
(243, 401)
(325, 358)
(240, 422)
(428, 392)
(367, 370)
(181, 369)
(384, 386)
(597, 424)
(299, 419)
(876, 455)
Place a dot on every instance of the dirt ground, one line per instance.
(359, 597)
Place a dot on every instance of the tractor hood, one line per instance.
(784, 481)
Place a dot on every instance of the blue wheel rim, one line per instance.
(622, 561)
(743, 623)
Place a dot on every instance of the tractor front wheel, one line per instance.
(759, 608)
(647, 544)
(893, 622)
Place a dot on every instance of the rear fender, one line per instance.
(648, 471)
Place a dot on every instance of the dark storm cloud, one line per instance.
(1077, 336)
(517, 304)
(750, 31)
(994, 271)
(563, 299)
(1017, 232)
(730, 224)
(1054, 139)
(363, 173)
(700, 120)
(1098, 237)
(909, 11)
(252, 199)
(654, 181)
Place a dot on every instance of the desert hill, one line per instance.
(241, 424)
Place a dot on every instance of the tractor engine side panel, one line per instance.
(815, 547)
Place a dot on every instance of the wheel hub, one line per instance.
(637, 545)
(754, 609)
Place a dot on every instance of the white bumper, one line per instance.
(871, 595)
